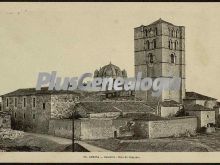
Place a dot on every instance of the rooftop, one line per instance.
(197, 96)
(44, 90)
(158, 22)
(161, 21)
(196, 107)
(170, 103)
(143, 117)
(116, 106)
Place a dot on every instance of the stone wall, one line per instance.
(122, 127)
(62, 105)
(207, 117)
(96, 128)
(174, 127)
(29, 118)
(63, 128)
(168, 111)
(85, 128)
(5, 121)
(141, 129)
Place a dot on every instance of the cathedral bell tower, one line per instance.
(159, 51)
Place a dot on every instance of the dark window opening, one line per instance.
(176, 45)
(155, 43)
(156, 31)
(170, 44)
(172, 58)
(34, 102)
(148, 45)
(24, 115)
(44, 105)
(16, 102)
(15, 115)
(151, 58)
(7, 102)
(33, 116)
(24, 102)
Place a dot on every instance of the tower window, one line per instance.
(148, 44)
(174, 33)
(170, 44)
(156, 31)
(146, 32)
(34, 102)
(173, 59)
(155, 43)
(33, 116)
(177, 33)
(24, 102)
(16, 102)
(24, 115)
(7, 102)
(44, 105)
(15, 115)
(151, 58)
(176, 45)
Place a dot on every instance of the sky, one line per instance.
(74, 38)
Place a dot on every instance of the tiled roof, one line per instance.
(196, 107)
(44, 90)
(143, 116)
(115, 106)
(170, 103)
(161, 21)
(197, 96)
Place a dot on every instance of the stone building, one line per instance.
(5, 119)
(169, 108)
(31, 110)
(204, 107)
(196, 98)
(160, 52)
(205, 116)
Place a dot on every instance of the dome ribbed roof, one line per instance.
(110, 70)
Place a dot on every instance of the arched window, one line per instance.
(155, 44)
(150, 32)
(174, 33)
(148, 44)
(146, 32)
(156, 31)
(170, 44)
(151, 58)
(176, 45)
(173, 58)
(169, 31)
(177, 33)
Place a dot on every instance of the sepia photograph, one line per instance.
(96, 78)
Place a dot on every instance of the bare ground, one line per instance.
(199, 143)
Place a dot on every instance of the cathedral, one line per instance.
(159, 51)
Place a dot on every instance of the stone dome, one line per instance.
(110, 70)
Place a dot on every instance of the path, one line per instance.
(65, 141)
